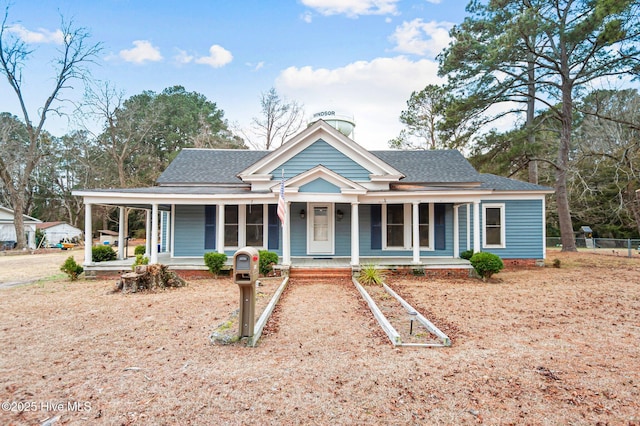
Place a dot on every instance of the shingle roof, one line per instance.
(432, 166)
(208, 166)
(500, 183)
(220, 166)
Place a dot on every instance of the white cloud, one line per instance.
(375, 92)
(353, 8)
(183, 57)
(40, 36)
(218, 57)
(307, 17)
(421, 38)
(142, 52)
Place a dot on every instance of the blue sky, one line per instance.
(361, 57)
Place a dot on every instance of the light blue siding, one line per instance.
(320, 186)
(321, 152)
(189, 231)
(523, 230)
(343, 230)
(298, 229)
(462, 229)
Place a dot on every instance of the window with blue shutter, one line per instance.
(273, 230)
(376, 227)
(439, 214)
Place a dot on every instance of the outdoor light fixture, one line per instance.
(302, 214)
(339, 215)
(412, 317)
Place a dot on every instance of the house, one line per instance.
(342, 202)
(8, 237)
(57, 232)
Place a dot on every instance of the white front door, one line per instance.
(320, 229)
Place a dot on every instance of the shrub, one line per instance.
(556, 263)
(267, 260)
(102, 253)
(466, 255)
(215, 262)
(140, 250)
(141, 259)
(486, 264)
(71, 268)
(369, 274)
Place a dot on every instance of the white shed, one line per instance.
(57, 232)
(8, 230)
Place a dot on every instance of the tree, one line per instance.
(571, 43)
(424, 109)
(280, 119)
(606, 163)
(74, 55)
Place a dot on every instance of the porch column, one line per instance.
(468, 227)
(148, 233)
(220, 229)
(121, 254)
(88, 235)
(476, 226)
(456, 232)
(355, 235)
(154, 234)
(286, 231)
(415, 224)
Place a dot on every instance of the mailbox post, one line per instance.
(245, 273)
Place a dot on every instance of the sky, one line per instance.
(359, 57)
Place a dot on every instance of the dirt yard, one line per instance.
(540, 346)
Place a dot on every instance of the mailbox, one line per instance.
(245, 273)
(246, 263)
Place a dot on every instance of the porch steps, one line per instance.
(307, 273)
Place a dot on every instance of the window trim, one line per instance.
(431, 224)
(503, 226)
(406, 227)
(242, 225)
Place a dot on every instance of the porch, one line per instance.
(192, 265)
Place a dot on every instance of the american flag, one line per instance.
(281, 204)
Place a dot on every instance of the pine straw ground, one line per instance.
(535, 346)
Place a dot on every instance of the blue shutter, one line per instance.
(376, 227)
(273, 236)
(439, 212)
(209, 227)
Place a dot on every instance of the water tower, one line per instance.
(344, 123)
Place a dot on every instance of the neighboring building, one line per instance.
(58, 232)
(342, 202)
(8, 238)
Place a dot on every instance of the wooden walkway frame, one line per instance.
(391, 332)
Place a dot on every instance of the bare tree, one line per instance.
(280, 120)
(74, 56)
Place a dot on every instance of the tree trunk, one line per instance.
(531, 114)
(567, 236)
(18, 209)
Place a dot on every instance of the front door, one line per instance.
(320, 229)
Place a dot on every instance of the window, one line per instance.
(395, 225)
(424, 212)
(231, 222)
(254, 225)
(494, 229)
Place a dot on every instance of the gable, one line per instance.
(316, 145)
(321, 186)
(320, 152)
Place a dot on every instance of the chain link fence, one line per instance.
(622, 247)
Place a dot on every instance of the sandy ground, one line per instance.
(538, 346)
